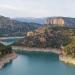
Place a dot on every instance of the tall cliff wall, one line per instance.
(55, 21)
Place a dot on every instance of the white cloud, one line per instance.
(37, 8)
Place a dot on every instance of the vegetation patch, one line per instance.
(69, 50)
(5, 50)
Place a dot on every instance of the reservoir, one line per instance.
(37, 64)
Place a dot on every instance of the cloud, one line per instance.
(37, 8)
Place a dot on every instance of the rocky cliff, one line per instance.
(61, 21)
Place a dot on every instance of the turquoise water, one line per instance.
(37, 64)
(10, 40)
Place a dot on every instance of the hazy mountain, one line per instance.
(31, 19)
(68, 21)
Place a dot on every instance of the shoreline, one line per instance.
(27, 49)
(67, 59)
(7, 59)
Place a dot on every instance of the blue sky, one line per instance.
(37, 8)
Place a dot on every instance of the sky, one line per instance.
(37, 8)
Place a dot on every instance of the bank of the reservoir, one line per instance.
(7, 59)
(27, 49)
(62, 58)
(38, 64)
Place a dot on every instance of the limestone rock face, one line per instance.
(56, 21)
(61, 21)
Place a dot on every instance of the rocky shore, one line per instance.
(27, 49)
(67, 59)
(7, 59)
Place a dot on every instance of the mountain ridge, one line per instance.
(67, 20)
(9, 26)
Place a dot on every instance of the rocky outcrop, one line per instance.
(61, 21)
(56, 21)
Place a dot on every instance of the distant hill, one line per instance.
(31, 19)
(9, 26)
(68, 21)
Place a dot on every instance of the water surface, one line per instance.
(37, 64)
